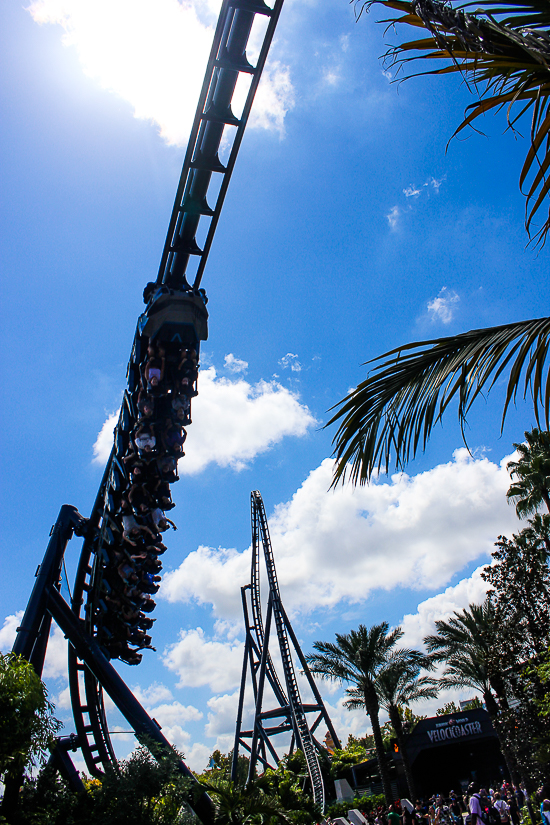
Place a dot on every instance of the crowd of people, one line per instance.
(161, 408)
(501, 805)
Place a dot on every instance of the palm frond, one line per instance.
(504, 48)
(391, 414)
(356, 699)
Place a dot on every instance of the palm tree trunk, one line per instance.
(372, 707)
(395, 719)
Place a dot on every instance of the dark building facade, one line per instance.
(445, 752)
(448, 752)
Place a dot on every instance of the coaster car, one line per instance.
(175, 316)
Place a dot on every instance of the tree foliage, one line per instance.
(520, 592)
(254, 802)
(531, 473)
(27, 725)
(452, 707)
(502, 50)
(220, 766)
(354, 752)
(520, 581)
(142, 790)
(467, 645)
(365, 803)
(390, 416)
(357, 658)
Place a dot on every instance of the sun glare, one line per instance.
(153, 54)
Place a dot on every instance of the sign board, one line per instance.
(466, 726)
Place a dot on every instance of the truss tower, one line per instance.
(290, 715)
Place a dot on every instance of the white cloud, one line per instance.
(393, 216)
(8, 631)
(210, 576)
(104, 442)
(153, 54)
(414, 532)
(63, 699)
(468, 591)
(235, 364)
(274, 99)
(176, 712)
(198, 661)
(55, 665)
(221, 719)
(443, 306)
(290, 361)
(233, 422)
(178, 737)
(152, 695)
(412, 191)
(197, 756)
(332, 77)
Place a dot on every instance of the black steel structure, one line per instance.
(290, 714)
(227, 61)
(174, 323)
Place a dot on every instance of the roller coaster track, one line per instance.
(255, 599)
(302, 732)
(292, 711)
(202, 173)
(227, 61)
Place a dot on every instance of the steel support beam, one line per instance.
(146, 729)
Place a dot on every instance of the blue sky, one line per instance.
(347, 230)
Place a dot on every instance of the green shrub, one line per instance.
(363, 803)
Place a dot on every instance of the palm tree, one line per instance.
(502, 50)
(397, 685)
(391, 414)
(532, 473)
(235, 805)
(539, 531)
(467, 643)
(357, 658)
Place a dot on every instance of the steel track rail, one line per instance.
(256, 604)
(85, 691)
(302, 731)
(227, 61)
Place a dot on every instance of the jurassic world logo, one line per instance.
(453, 729)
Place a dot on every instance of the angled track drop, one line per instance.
(291, 712)
(173, 324)
(227, 60)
